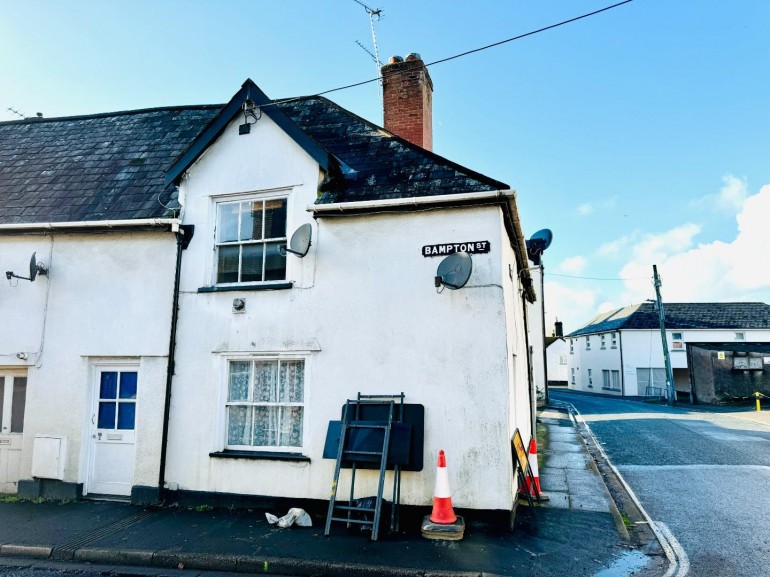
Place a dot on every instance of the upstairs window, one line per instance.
(571, 347)
(677, 342)
(614, 337)
(588, 343)
(249, 238)
(604, 341)
(740, 336)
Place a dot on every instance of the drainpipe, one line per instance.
(183, 238)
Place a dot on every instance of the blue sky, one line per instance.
(639, 136)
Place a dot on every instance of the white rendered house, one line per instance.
(84, 362)
(270, 346)
(620, 352)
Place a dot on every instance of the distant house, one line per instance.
(556, 355)
(176, 346)
(620, 352)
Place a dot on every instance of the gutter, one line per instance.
(172, 223)
(505, 198)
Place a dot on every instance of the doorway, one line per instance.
(113, 431)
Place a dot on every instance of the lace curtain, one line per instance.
(265, 403)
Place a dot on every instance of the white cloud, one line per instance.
(573, 264)
(573, 306)
(585, 209)
(730, 197)
(714, 271)
(614, 248)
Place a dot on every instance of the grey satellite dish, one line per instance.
(537, 244)
(454, 271)
(35, 268)
(300, 241)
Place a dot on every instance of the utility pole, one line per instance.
(670, 389)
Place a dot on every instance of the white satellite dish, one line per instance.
(300, 241)
(454, 271)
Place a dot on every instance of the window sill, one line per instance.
(610, 389)
(247, 287)
(260, 456)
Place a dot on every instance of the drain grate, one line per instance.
(66, 552)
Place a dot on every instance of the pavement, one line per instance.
(577, 532)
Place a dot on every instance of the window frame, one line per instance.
(603, 341)
(614, 340)
(588, 342)
(572, 346)
(220, 200)
(677, 343)
(590, 379)
(222, 443)
(739, 336)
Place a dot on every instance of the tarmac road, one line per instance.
(704, 472)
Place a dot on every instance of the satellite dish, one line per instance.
(454, 271)
(537, 244)
(35, 268)
(32, 267)
(300, 241)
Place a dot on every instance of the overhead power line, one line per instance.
(596, 277)
(488, 46)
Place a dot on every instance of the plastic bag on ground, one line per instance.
(295, 515)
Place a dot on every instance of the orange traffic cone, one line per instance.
(443, 514)
(535, 472)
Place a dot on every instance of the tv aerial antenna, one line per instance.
(16, 112)
(375, 56)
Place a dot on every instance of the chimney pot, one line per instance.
(395, 59)
(412, 56)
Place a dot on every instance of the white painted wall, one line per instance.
(365, 313)
(596, 358)
(557, 355)
(107, 296)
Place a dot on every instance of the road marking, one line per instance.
(691, 467)
(684, 561)
(669, 544)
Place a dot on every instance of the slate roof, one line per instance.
(681, 316)
(374, 163)
(91, 168)
(114, 166)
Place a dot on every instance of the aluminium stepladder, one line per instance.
(350, 422)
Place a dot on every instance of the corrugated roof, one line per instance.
(752, 315)
(91, 168)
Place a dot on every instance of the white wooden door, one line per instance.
(113, 431)
(13, 395)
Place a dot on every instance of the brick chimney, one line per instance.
(407, 99)
(558, 330)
